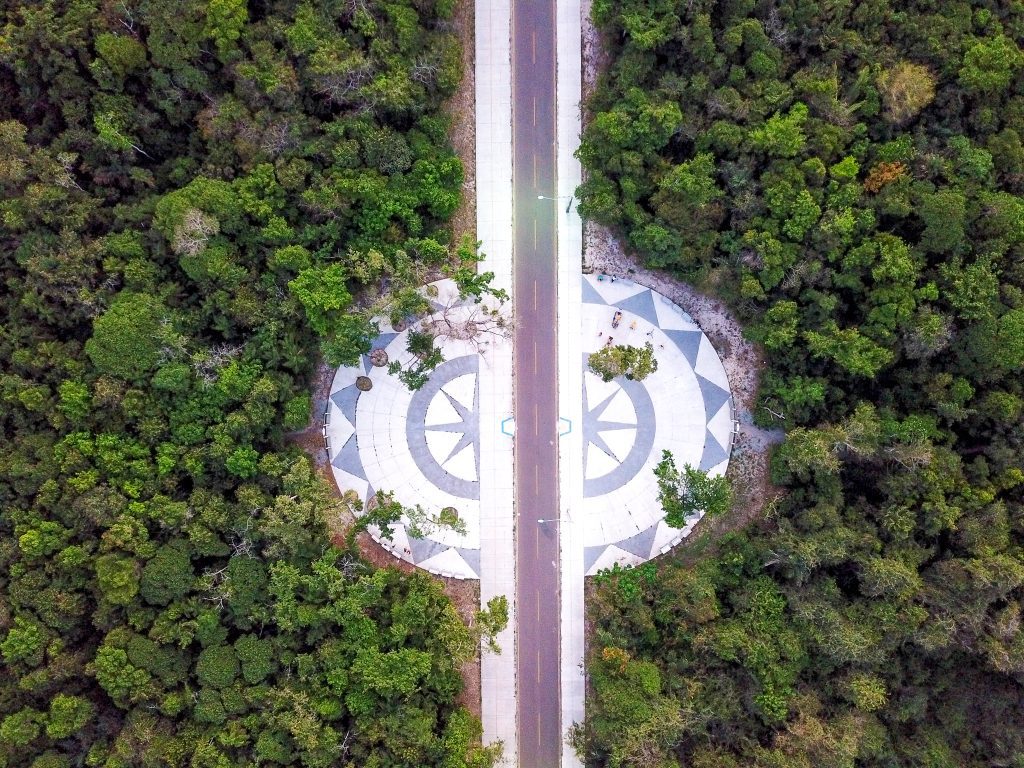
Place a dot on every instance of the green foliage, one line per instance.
(634, 719)
(193, 193)
(217, 666)
(25, 643)
(1010, 340)
(122, 53)
(492, 621)
(779, 328)
(116, 676)
(118, 578)
(622, 360)
(690, 492)
(110, 133)
(854, 194)
(297, 412)
(782, 136)
(850, 349)
(990, 64)
(256, 657)
(243, 461)
(324, 295)
(21, 728)
(225, 20)
(68, 715)
(126, 339)
(167, 576)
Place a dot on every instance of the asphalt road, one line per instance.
(536, 381)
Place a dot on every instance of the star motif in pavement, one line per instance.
(467, 426)
(594, 425)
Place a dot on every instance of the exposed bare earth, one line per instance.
(748, 467)
(462, 110)
(595, 56)
(465, 595)
(603, 252)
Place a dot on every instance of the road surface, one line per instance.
(536, 381)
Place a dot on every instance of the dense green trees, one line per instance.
(192, 192)
(849, 178)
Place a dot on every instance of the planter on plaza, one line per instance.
(449, 516)
(364, 383)
(379, 358)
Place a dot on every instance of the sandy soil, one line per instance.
(603, 252)
(462, 110)
(748, 468)
(595, 56)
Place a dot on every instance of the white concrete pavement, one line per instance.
(494, 230)
(569, 38)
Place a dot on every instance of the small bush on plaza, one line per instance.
(635, 363)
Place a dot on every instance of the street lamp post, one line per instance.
(570, 198)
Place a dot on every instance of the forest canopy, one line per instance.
(849, 177)
(192, 194)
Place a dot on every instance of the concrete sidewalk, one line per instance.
(570, 256)
(494, 230)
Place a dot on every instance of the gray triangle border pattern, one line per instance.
(642, 304)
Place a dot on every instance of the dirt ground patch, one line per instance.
(461, 108)
(743, 361)
(464, 594)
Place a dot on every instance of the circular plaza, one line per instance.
(424, 446)
(684, 407)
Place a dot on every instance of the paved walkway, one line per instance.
(494, 230)
(683, 407)
(427, 446)
(570, 372)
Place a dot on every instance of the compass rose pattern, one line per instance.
(684, 407)
(443, 427)
(618, 432)
(423, 446)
